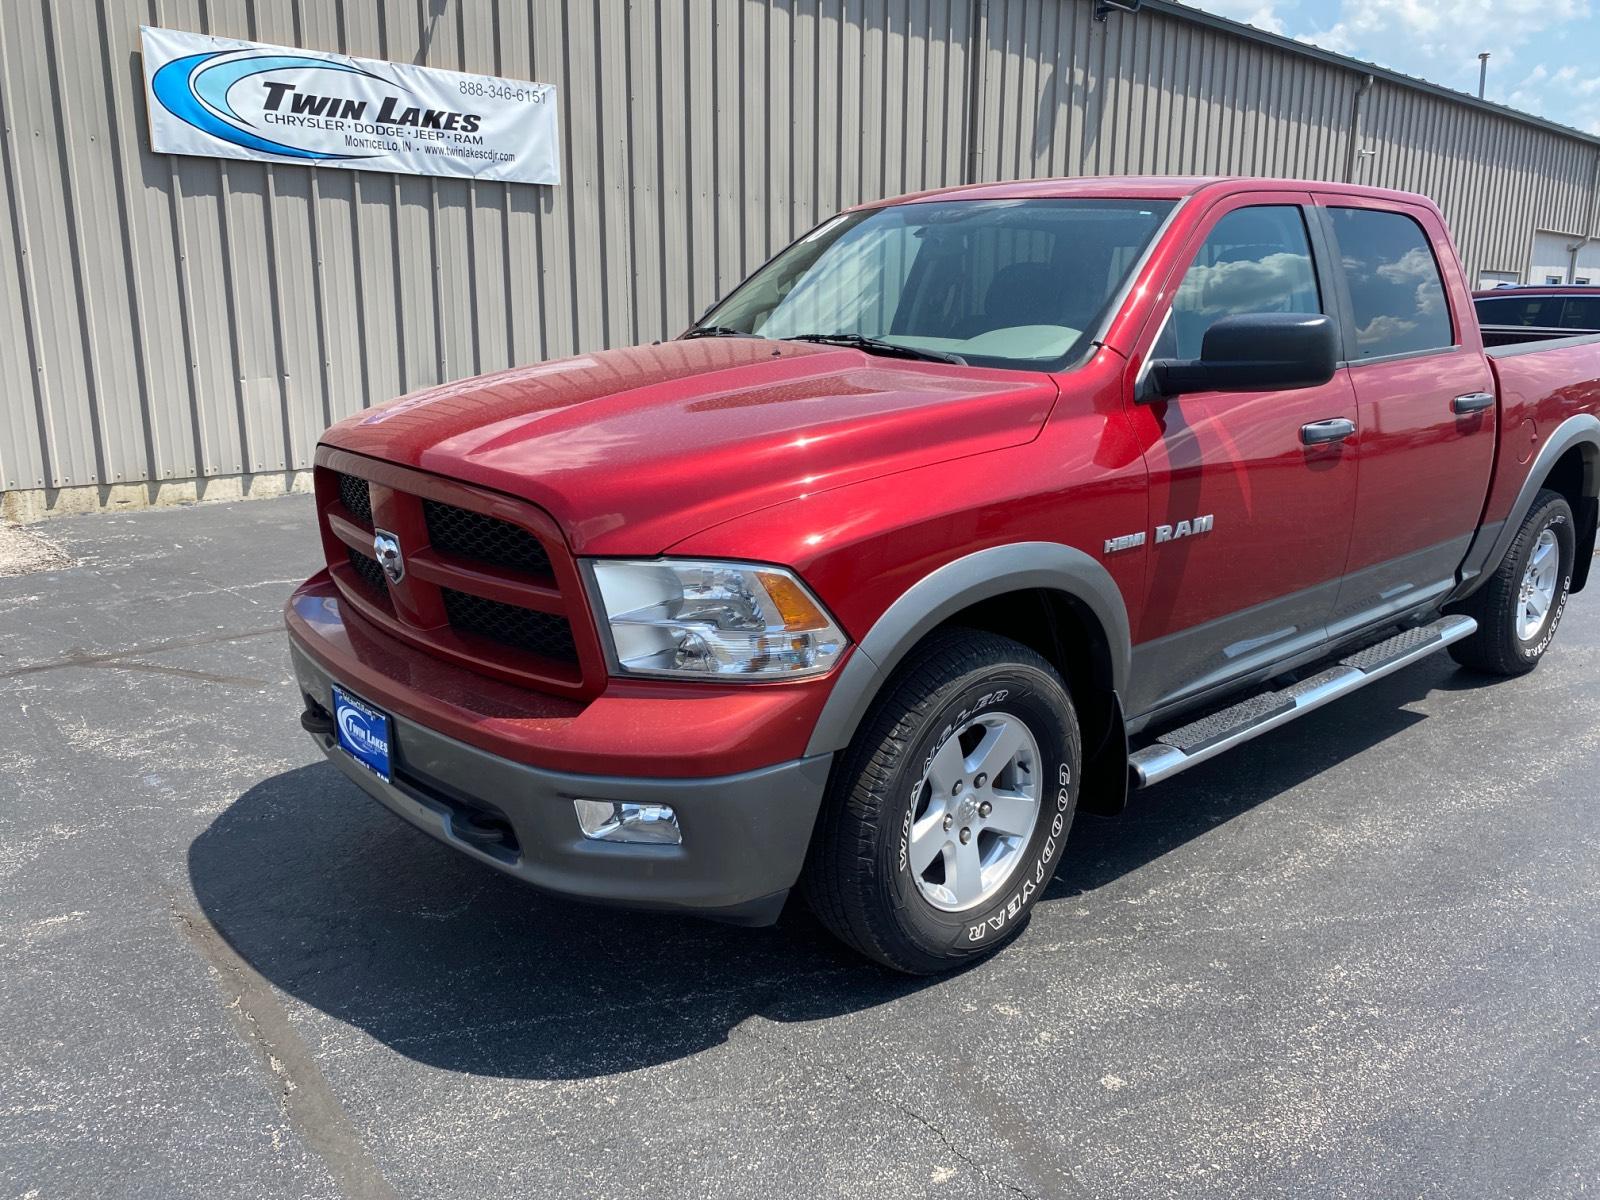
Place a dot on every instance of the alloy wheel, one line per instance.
(976, 809)
(1539, 583)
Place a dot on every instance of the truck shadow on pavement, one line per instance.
(349, 910)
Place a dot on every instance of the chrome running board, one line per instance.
(1194, 743)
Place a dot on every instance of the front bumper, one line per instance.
(744, 836)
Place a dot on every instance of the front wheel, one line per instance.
(1519, 609)
(946, 818)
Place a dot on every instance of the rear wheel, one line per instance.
(1519, 609)
(946, 817)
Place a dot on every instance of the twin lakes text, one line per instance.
(394, 120)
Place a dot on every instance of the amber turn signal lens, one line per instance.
(796, 609)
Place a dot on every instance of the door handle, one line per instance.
(1472, 402)
(1322, 433)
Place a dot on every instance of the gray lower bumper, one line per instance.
(744, 836)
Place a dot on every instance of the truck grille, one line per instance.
(356, 496)
(369, 571)
(489, 582)
(538, 633)
(472, 535)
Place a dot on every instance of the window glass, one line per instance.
(1004, 283)
(1581, 313)
(1256, 260)
(1395, 286)
(858, 292)
(1528, 312)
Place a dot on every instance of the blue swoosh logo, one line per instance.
(195, 90)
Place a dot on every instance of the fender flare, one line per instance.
(936, 597)
(1490, 546)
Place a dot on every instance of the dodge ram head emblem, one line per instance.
(393, 562)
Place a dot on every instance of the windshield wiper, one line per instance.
(718, 331)
(877, 346)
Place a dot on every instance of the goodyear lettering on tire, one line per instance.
(1033, 880)
(1536, 651)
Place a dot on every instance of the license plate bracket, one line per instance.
(365, 733)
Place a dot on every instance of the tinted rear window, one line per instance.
(1395, 286)
(1581, 312)
(1525, 311)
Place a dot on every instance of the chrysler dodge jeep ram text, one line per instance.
(965, 511)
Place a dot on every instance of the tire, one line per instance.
(887, 873)
(1513, 636)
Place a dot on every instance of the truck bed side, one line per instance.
(1549, 420)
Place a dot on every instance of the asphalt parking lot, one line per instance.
(1361, 958)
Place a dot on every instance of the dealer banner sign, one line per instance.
(226, 99)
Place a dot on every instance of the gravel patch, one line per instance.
(24, 553)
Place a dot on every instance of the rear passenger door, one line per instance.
(1426, 397)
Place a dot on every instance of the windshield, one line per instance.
(998, 283)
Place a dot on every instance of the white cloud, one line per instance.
(1414, 267)
(1543, 50)
(1450, 34)
(1263, 14)
(1270, 284)
(1571, 93)
(1384, 329)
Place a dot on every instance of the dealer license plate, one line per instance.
(365, 734)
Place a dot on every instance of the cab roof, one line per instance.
(1142, 187)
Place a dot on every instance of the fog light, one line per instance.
(619, 821)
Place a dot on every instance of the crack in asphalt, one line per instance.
(304, 1098)
(762, 1032)
(972, 1164)
(120, 659)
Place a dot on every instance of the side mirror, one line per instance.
(1255, 352)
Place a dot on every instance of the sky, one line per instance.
(1546, 56)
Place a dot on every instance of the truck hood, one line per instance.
(634, 450)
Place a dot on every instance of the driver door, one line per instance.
(1250, 515)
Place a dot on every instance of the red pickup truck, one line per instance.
(968, 510)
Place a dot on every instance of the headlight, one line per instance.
(686, 619)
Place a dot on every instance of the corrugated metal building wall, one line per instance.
(180, 319)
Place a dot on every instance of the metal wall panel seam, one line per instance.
(204, 448)
(24, 459)
(166, 450)
(570, 160)
(45, 407)
(104, 432)
(320, 284)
